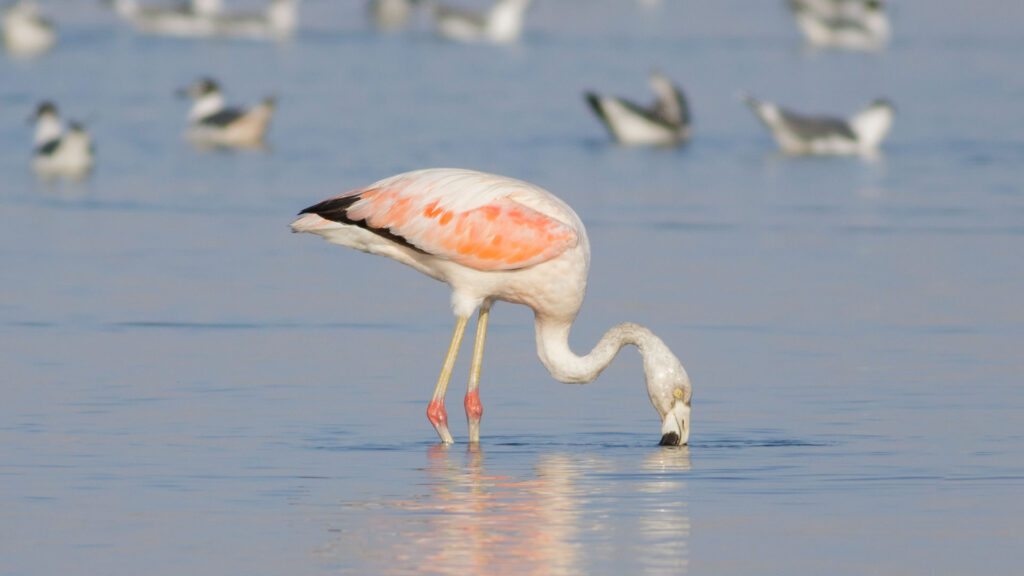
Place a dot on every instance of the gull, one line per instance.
(665, 123)
(26, 32)
(58, 152)
(211, 123)
(804, 134)
(842, 24)
(502, 24)
(391, 14)
(277, 20)
(194, 18)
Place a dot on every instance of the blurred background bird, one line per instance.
(665, 123)
(842, 24)
(212, 123)
(816, 134)
(26, 32)
(502, 24)
(57, 152)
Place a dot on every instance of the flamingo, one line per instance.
(493, 238)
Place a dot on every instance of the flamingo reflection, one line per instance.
(564, 515)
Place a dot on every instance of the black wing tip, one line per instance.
(333, 209)
(594, 101)
(336, 210)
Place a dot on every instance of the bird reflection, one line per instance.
(566, 513)
(667, 527)
(490, 524)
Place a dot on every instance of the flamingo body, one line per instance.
(495, 238)
(465, 228)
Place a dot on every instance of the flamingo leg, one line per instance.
(473, 407)
(435, 410)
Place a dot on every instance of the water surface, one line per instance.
(188, 388)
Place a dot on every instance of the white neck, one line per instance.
(205, 105)
(48, 128)
(871, 126)
(506, 20)
(667, 381)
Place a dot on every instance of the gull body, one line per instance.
(502, 24)
(796, 133)
(194, 18)
(665, 123)
(391, 14)
(842, 24)
(26, 32)
(278, 20)
(211, 123)
(495, 238)
(58, 152)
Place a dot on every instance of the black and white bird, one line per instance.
(502, 24)
(211, 123)
(58, 152)
(803, 134)
(192, 18)
(842, 24)
(277, 21)
(665, 123)
(391, 14)
(26, 32)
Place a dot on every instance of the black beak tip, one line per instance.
(669, 439)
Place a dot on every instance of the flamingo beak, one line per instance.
(675, 429)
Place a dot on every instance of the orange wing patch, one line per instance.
(501, 236)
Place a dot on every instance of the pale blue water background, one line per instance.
(187, 388)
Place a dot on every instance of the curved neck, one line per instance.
(668, 385)
(565, 366)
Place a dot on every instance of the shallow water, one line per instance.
(188, 388)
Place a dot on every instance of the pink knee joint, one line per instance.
(473, 407)
(436, 413)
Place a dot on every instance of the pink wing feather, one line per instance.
(467, 217)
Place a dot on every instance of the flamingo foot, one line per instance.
(474, 410)
(439, 418)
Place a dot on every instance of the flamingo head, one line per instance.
(675, 427)
(669, 388)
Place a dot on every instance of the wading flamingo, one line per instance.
(495, 238)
